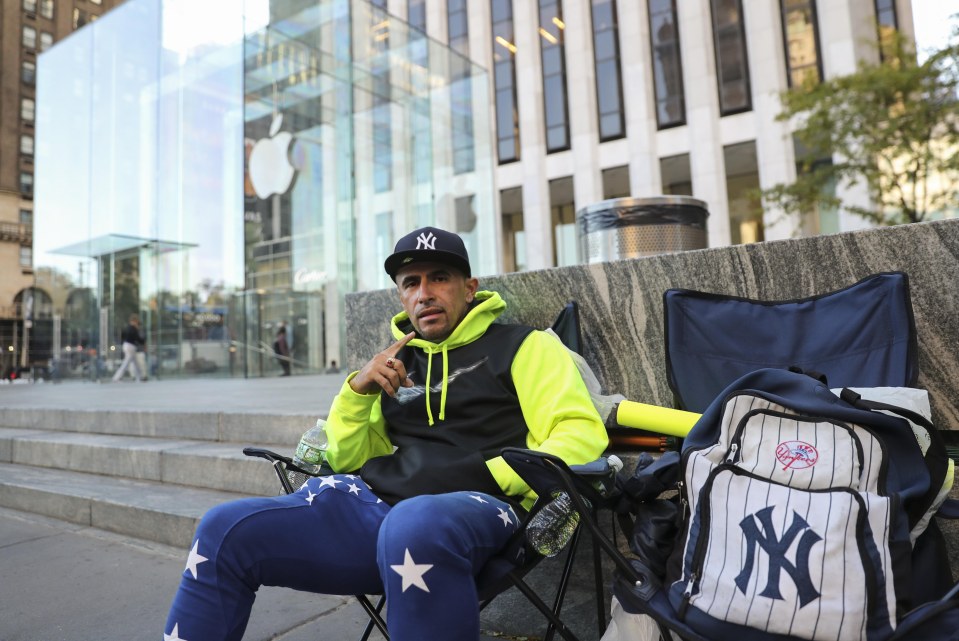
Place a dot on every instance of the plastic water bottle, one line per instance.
(311, 452)
(553, 526)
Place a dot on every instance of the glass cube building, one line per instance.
(223, 168)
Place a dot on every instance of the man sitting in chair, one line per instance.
(421, 426)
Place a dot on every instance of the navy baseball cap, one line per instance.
(428, 244)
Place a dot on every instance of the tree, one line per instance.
(892, 126)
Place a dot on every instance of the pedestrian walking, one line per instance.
(133, 341)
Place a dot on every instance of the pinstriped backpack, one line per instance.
(802, 510)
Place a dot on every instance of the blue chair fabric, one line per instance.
(863, 335)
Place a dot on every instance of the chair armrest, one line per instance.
(548, 474)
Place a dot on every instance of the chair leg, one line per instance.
(563, 583)
(376, 618)
(533, 598)
(600, 585)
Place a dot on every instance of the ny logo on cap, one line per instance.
(426, 241)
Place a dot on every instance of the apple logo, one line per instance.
(270, 169)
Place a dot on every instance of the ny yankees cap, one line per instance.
(428, 244)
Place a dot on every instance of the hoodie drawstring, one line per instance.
(429, 380)
(446, 374)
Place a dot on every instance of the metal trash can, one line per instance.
(633, 227)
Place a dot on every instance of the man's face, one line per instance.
(436, 297)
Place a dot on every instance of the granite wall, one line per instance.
(621, 307)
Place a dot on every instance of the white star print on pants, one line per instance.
(424, 553)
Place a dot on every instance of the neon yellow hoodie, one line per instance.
(555, 404)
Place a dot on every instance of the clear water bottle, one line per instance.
(311, 452)
(550, 530)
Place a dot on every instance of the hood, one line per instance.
(486, 309)
(487, 306)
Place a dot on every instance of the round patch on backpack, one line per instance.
(796, 455)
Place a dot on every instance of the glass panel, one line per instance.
(742, 188)
(729, 38)
(608, 78)
(504, 72)
(563, 218)
(28, 73)
(224, 180)
(514, 235)
(676, 176)
(552, 43)
(802, 41)
(667, 65)
(616, 182)
(887, 23)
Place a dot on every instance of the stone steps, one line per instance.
(148, 475)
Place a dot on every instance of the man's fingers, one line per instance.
(395, 348)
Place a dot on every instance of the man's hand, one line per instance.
(384, 371)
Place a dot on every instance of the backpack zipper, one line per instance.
(699, 551)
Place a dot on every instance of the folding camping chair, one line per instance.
(863, 335)
(517, 558)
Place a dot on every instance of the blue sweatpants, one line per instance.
(334, 536)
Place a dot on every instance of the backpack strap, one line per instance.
(937, 460)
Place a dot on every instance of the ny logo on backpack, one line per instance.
(801, 511)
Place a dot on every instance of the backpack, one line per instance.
(803, 512)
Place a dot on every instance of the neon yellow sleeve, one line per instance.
(557, 407)
(355, 429)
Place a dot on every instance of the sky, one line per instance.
(934, 22)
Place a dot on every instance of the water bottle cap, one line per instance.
(615, 462)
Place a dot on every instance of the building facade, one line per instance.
(226, 168)
(598, 99)
(27, 28)
(237, 178)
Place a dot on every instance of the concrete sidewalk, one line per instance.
(277, 395)
(65, 582)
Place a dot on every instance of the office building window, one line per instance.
(26, 184)
(514, 233)
(823, 216)
(420, 123)
(801, 37)
(28, 109)
(504, 77)
(457, 24)
(732, 67)
(676, 176)
(379, 3)
(26, 256)
(552, 31)
(80, 18)
(416, 14)
(616, 182)
(609, 84)
(461, 88)
(26, 217)
(26, 145)
(46, 8)
(46, 40)
(887, 23)
(28, 72)
(29, 37)
(742, 189)
(667, 66)
(563, 217)
(381, 110)
(30, 6)
(96, 1)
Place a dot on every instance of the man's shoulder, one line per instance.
(509, 329)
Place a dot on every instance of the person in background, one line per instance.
(421, 497)
(282, 350)
(132, 342)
